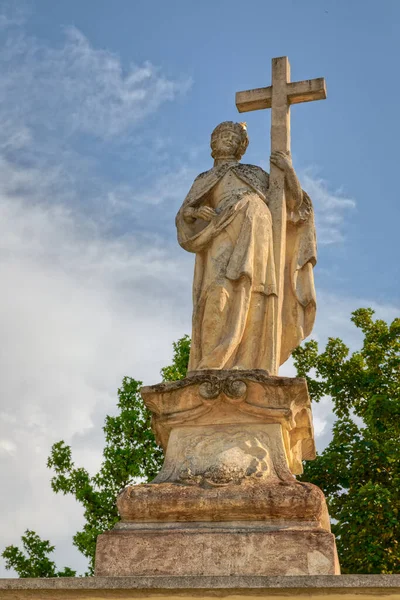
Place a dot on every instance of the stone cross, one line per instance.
(278, 97)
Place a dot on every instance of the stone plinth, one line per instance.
(195, 549)
(328, 587)
(226, 500)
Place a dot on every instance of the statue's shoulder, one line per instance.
(252, 170)
(255, 175)
(201, 185)
(205, 178)
(204, 174)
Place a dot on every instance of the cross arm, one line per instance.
(298, 91)
(307, 90)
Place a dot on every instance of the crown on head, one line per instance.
(239, 128)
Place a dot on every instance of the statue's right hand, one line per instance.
(206, 213)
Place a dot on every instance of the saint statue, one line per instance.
(225, 220)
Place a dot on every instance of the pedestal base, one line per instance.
(236, 548)
(225, 501)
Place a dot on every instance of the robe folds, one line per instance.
(234, 286)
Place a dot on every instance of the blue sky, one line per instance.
(105, 114)
(350, 140)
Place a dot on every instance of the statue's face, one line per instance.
(226, 143)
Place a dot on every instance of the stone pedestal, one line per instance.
(226, 500)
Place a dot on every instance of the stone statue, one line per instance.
(225, 219)
(235, 434)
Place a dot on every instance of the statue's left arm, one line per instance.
(299, 304)
(294, 193)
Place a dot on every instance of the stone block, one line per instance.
(215, 549)
(274, 503)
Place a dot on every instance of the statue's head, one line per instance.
(229, 140)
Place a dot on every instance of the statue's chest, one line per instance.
(228, 186)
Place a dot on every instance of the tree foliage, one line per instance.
(359, 471)
(180, 360)
(33, 560)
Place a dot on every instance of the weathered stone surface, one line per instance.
(225, 454)
(233, 440)
(218, 398)
(219, 549)
(298, 91)
(279, 503)
(253, 290)
(317, 587)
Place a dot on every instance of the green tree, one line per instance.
(34, 561)
(359, 471)
(130, 454)
(180, 360)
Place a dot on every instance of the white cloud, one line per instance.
(80, 307)
(12, 14)
(168, 186)
(7, 446)
(79, 88)
(334, 312)
(331, 208)
(74, 320)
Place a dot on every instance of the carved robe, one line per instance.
(234, 287)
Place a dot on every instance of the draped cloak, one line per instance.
(235, 259)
